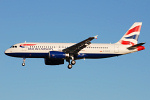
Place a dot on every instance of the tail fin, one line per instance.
(131, 36)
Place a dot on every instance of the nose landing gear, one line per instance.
(23, 64)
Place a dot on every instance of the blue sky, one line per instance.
(120, 78)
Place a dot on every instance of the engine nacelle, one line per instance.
(57, 55)
(54, 61)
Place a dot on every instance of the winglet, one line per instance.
(95, 36)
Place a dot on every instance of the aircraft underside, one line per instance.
(46, 55)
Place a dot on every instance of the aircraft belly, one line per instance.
(29, 55)
(96, 55)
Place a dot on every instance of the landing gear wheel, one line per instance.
(73, 62)
(24, 59)
(69, 66)
(23, 64)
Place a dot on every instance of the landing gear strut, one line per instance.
(73, 62)
(69, 66)
(23, 64)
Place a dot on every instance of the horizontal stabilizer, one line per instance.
(134, 46)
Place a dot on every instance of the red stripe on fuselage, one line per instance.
(135, 29)
(27, 44)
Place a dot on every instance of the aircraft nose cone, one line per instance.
(6, 52)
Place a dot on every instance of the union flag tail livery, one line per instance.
(57, 53)
(131, 36)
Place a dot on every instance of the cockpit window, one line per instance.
(13, 47)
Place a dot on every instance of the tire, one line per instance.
(23, 64)
(73, 62)
(69, 66)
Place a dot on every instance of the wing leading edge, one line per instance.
(74, 49)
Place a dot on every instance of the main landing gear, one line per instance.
(69, 66)
(73, 62)
(23, 64)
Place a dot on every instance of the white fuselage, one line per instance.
(56, 53)
(41, 50)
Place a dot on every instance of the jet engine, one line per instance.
(57, 55)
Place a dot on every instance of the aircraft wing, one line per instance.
(74, 49)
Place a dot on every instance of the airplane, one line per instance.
(56, 53)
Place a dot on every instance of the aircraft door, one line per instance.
(116, 48)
